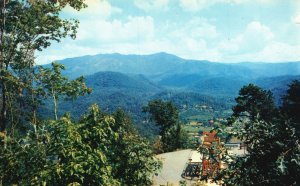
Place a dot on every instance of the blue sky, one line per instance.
(215, 30)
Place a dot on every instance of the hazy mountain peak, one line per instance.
(163, 64)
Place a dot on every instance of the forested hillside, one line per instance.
(130, 81)
(103, 119)
(113, 90)
(53, 149)
(171, 72)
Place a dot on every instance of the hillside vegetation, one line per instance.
(130, 81)
(52, 131)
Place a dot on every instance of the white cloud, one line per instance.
(105, 28)
(202, 28)
(137, 35)
(198, 49)
(100, 9)
(296, 19)
(196, 5)
(255, 37)
(117, 30)
(68, 50)
(193, 40)
(274, 52)
(197, 28)
(151, 4)
(102, 36)
(297, 5)
(229, 45)
(279, 52)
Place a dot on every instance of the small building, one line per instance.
(236, 146)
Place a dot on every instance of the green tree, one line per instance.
(291, 102)
(133, 161)
(92, 151)
(254, 102)
(59, 153)
(166, 116)
(272, 155)
(27, 26)
(55, 85)
(123, 123)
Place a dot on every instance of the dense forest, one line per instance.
(96, 149)
(271, 135)
(53, 132)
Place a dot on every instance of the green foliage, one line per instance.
(27, 26)
(52, 84)
(255, 102)
(133, 158)
(272, 155)
(98, 150)
(166, 116)
(62, 154)
(176, 138)
(291, 101)
(291, 105)
(273, 150)
(112, 90)
(134, 162)
(60, 151)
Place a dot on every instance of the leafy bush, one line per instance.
(95, 151)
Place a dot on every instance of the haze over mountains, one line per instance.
(169, 71)
(130, 81)
(162, 65)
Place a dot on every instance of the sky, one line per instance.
(214, 30)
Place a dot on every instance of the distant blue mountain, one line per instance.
(130, 81)
(272, 69)
(163, 70)
(102, 81)
(278, 85)
(164, 66)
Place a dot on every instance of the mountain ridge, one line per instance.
(116, 84)
(162, 65)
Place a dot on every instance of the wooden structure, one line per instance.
(209, 163)
(211, 155)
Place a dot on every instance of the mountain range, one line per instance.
(163, 65)
(172, 72)
(130, 81)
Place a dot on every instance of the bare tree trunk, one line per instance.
(4, 107)
(34, 120)
(55, 104)
(3, 122)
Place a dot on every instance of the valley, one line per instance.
(146, 93)
(203, 91)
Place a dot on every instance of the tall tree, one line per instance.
(254, 102)
(291, 105)
(55, 85)
(291, 102)
(166, 116)
(133, 160)
(272, 142)
(272, 156)
(26, 26)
